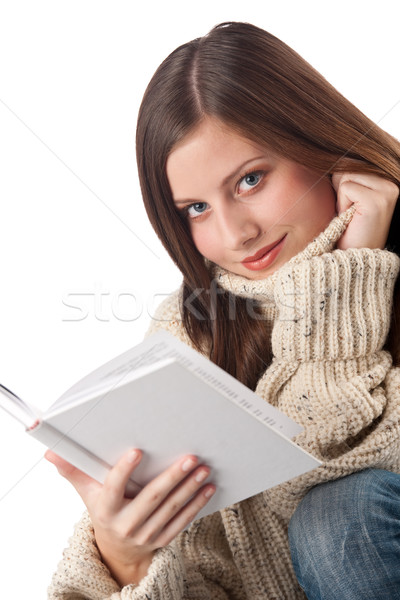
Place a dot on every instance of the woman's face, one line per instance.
(249, 210)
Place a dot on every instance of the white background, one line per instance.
(80, 266)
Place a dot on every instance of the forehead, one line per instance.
(212, 150)
(211, 132)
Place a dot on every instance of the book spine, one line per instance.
(76, 454)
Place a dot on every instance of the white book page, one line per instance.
(166, 415)
(139, 360)
(15, 406)
(155, 352)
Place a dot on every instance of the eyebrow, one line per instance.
(239, 170)
(228, 178)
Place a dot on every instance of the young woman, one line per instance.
(276, 198)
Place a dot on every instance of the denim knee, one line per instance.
(345, 538)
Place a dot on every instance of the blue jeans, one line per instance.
(345, 538)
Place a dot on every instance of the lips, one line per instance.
(264, 257)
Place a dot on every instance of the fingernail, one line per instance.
(209, 492)
(189, 464)
(201, 476)
(132, 456)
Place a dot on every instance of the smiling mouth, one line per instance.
(264, 257)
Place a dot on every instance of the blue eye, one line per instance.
(252, 179)
(196, 209)
(249, 181)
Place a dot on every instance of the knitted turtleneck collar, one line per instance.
(262, 289)
(324, 303)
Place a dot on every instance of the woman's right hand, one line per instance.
(374, 199)
(128, 531)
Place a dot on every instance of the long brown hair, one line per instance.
(259, 87)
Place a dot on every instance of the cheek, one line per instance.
(204, 242)
(314, 204)
(325, 201)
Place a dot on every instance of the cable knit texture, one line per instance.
(330, 314)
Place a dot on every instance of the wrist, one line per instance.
(126, 573)
(126, 566)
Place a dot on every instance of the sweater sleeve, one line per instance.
(330, 372)
(333, 319)
(334, 307)
(197, 565)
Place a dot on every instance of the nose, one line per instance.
(235, 225)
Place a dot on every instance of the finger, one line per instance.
(364, 179)
(174, 503)
(155, 492)
(336, 179)
(369, 181)
(83, 484)
(368, 201)
(113, 490)
(344, 198)
(185, 516)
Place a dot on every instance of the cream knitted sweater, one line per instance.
(330, 314)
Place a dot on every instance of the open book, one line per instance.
(168, 400)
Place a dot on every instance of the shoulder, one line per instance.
(167, 316)
(169, 307)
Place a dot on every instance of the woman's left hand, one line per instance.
(374, 199)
